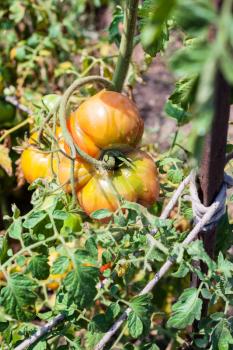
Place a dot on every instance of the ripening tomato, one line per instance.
(106, 120)
(103, 189)
(82, 173)
(36, 164)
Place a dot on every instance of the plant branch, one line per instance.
(15, 128)
(12, 100)
(41, 332)
(126, 45)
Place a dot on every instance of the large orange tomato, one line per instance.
(106, 120)
(103, 189)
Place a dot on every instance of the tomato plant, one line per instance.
(104, 248)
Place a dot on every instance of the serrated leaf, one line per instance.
(182, 271)
(60, 265)
(60, 215)
(91, 247)
(34, 218)
(50, 101)
(113, 310)
(184, 93)
(113, 30)
(81, 285)
(18, 297)
(186, 309)
(15, 229)
(141, 304)
(225, 266)
(3, 249)
(41, 345)
(39, 267)
(154, 31)
(175, 175)
(135, 325)
(101, 214)
(5, 160)
(222, 338)
(177, 113)
(197, 252)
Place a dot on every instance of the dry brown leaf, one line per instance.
(19, 175)
(5, 160)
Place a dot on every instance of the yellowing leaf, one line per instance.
(5, 161)
(66, 65)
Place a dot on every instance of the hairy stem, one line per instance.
(15, 128)
(126, 45)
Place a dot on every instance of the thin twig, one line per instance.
(172, 202)
(12, 100)
(41, 332)
(163, 270)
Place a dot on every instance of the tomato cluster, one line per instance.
(107, 124)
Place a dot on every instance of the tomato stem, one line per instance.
(15, 128)
(126, 45)
(67, 136)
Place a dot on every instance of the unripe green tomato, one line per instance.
(7, 113)
(71, 224)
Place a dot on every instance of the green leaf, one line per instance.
(113, 30)
(154, 16)
(175, 175)
(3, 249)
(17, 12)
(222, 338)
(34, 218)
(182, 271)
(113, 310)
(50, 101)
(15, 229)
(60, 265)
(39, 267)
(224, 234)
(139, 317)
(177, 113)
(197, 252)
(141, 304)
(135, 325)
(91, 247)
(186, 309)
(60, 215)
(81, 285)
(41, 345)
(194, 16)
(101, 214)
(184, 94)
(18, 297)
(224, 266)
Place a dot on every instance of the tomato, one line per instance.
(106, 120)
(104, 268)
(7, 113)
(96, 189)
(36, 164)
(82, 173)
